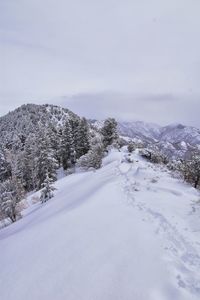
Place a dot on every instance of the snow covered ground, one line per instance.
(128, 231)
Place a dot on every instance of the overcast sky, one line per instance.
(133, 59)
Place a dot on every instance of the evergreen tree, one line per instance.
(29, 163)
(83, 140)
(75, 126)
(109, 132)
(58, 146)
(5, 168)
(55, 140)
(45, 159)
(48, 189)
(68, 155)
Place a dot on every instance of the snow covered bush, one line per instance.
(35, 199)
(11, 193)
(153, 155)
(190, 169)
(131, 147)
(93, 159)
(121, 142)
(48, 189)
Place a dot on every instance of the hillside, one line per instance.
(36, 140)
(175, 140)
(29, 118)
(126, 231)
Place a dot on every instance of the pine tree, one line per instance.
(83, 140)
(55, 139)
(74, 124)
(48, 189)
(45, 159)
(29, 163)
(5, 168)
(59, 146)
(109, 132)
(68, 155)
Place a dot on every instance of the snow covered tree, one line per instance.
(74, 123)
(67, 147)
(11, 193)
(45, 159)
(191, 169)
(55, 135)
(5, 168)
(93, 158)
(153, 154)
(47, 190)
(82, 138)
(57, 146)
(109, 132)
(29, 163)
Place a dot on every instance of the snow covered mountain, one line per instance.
(174, 133)
(140, 130)
(175, 140)
(27, 119)
(126, 231)
(35, 140)
(177, 133)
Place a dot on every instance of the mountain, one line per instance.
(126, 231)
(178, 133)
(28, 118)
(174, 133)
(140, 130)
(36, 140)
(175, 140)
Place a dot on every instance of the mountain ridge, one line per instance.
(175, 140)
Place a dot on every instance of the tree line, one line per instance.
(33, 164)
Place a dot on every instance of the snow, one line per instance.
(184, 145)
(127, 231)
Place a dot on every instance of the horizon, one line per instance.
(102, 119)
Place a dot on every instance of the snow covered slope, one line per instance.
(173, 133)
(139, 129)
(128, 231)
(175, 140)
(28, 118)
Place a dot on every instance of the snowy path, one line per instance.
(124, 232)
(140, 183)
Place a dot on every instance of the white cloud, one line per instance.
(52, 48)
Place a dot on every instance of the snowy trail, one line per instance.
(124, 232)
(177, 243)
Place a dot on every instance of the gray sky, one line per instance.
(133, 59)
